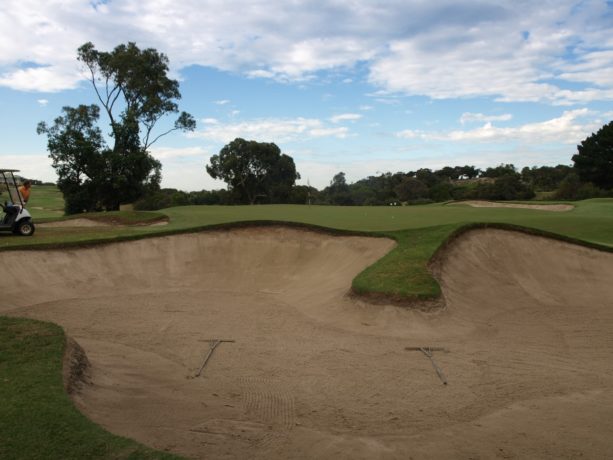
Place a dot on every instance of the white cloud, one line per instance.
(513, 51)
(189, 177)
(183, 168)
(270, 130)
(260, 73)
(466, 70)
(593, 67)
(345, 117)
(42, 102)
(565, 129)
(32, 166)
(210, 121)
(222, 102)
(46, 79)
(341, 133)
(494, 58)
(468, 117)
(168, 153)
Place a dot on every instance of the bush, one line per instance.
(441, 191)
(205, 197)
(153, 202)
(571, 188)
(507, 187)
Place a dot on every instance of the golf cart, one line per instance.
(15, 217)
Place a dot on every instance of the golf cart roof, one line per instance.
(9, 170)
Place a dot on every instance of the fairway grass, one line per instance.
(37, 418)
(46, 201)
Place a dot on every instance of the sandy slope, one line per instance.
(315, 374)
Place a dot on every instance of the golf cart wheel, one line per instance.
(25, 228)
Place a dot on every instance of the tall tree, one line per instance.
(411, 189)
(134, 89)
(338, 192)
(74, 142)
(500, 170)
(594, 158)
(135, 93)
(254, 170)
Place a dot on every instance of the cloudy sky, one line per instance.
(357, 86)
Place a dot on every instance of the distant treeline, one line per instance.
(503, 182)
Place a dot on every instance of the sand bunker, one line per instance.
(539, 207)
(314, 373)
(79, 222)
(82, 222)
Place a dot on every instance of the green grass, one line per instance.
(33, 405)
(46, 201)
(37, 418)
(592, 220)
(402, 274)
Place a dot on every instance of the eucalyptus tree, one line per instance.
(255, 171)
(594, 158)
(136, 94)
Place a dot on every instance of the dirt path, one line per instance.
(315, 374)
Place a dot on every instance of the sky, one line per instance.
(358, 86)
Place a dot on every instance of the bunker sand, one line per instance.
(497, 204)
(314, 373)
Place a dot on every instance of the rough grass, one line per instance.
(37, 418)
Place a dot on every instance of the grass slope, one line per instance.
(37, 418)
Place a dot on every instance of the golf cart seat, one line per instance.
(9, 208)
(10, 212)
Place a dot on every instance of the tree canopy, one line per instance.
(254, 171)
(411, 189)
(594, 158)
(134, 89)
(135, 93)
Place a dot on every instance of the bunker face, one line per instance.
(314, 374)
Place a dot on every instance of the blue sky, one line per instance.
(357, 86)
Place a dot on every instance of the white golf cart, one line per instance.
(15, 217)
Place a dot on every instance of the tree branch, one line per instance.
(161, 135)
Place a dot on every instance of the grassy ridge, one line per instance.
(37, 418)
(402, 273)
